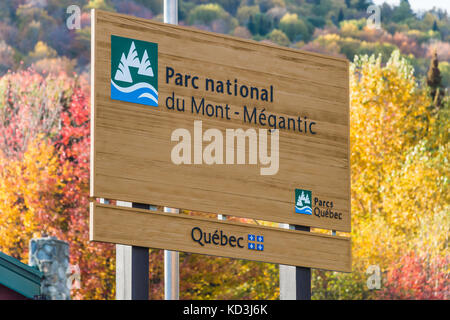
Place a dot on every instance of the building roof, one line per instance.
(19, 276)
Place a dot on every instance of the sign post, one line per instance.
(295, 282)
(303, 277)
(132, 267)
(171, 258)
(132, 278)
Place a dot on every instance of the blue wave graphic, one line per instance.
(304, 210)
(142, 93)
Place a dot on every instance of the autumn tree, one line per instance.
(399, 161)
(434, 80)
(44, 189)
(418, 276)
(44, 177)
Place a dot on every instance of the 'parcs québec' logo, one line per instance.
(303, 201)
(134, 71)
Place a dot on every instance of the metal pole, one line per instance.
(171, 270)
(171, 11)
(132, 267)
(295, 282)
(171, 258)
(303, 276)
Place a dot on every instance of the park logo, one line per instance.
(134, 71)
(303, 200)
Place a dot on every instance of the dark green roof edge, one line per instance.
(19, 276)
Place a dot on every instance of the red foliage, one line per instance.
(56, 108)
(418, 276)
(73, 144)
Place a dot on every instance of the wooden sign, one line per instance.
(189, 119)
(146, 228)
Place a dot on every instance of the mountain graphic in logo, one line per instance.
(134, 71)
(303, 201)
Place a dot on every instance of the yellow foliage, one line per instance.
(20, 181)
(399, 188)
(289, 18)
(42, 50)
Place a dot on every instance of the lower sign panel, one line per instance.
(152, 229)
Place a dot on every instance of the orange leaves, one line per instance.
(44, 178)
(24, 189)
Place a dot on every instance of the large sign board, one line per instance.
(186, 119)
(189, 119)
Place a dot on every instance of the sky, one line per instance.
(418, 5)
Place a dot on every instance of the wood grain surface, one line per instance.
(131, 143)
(145, 228)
